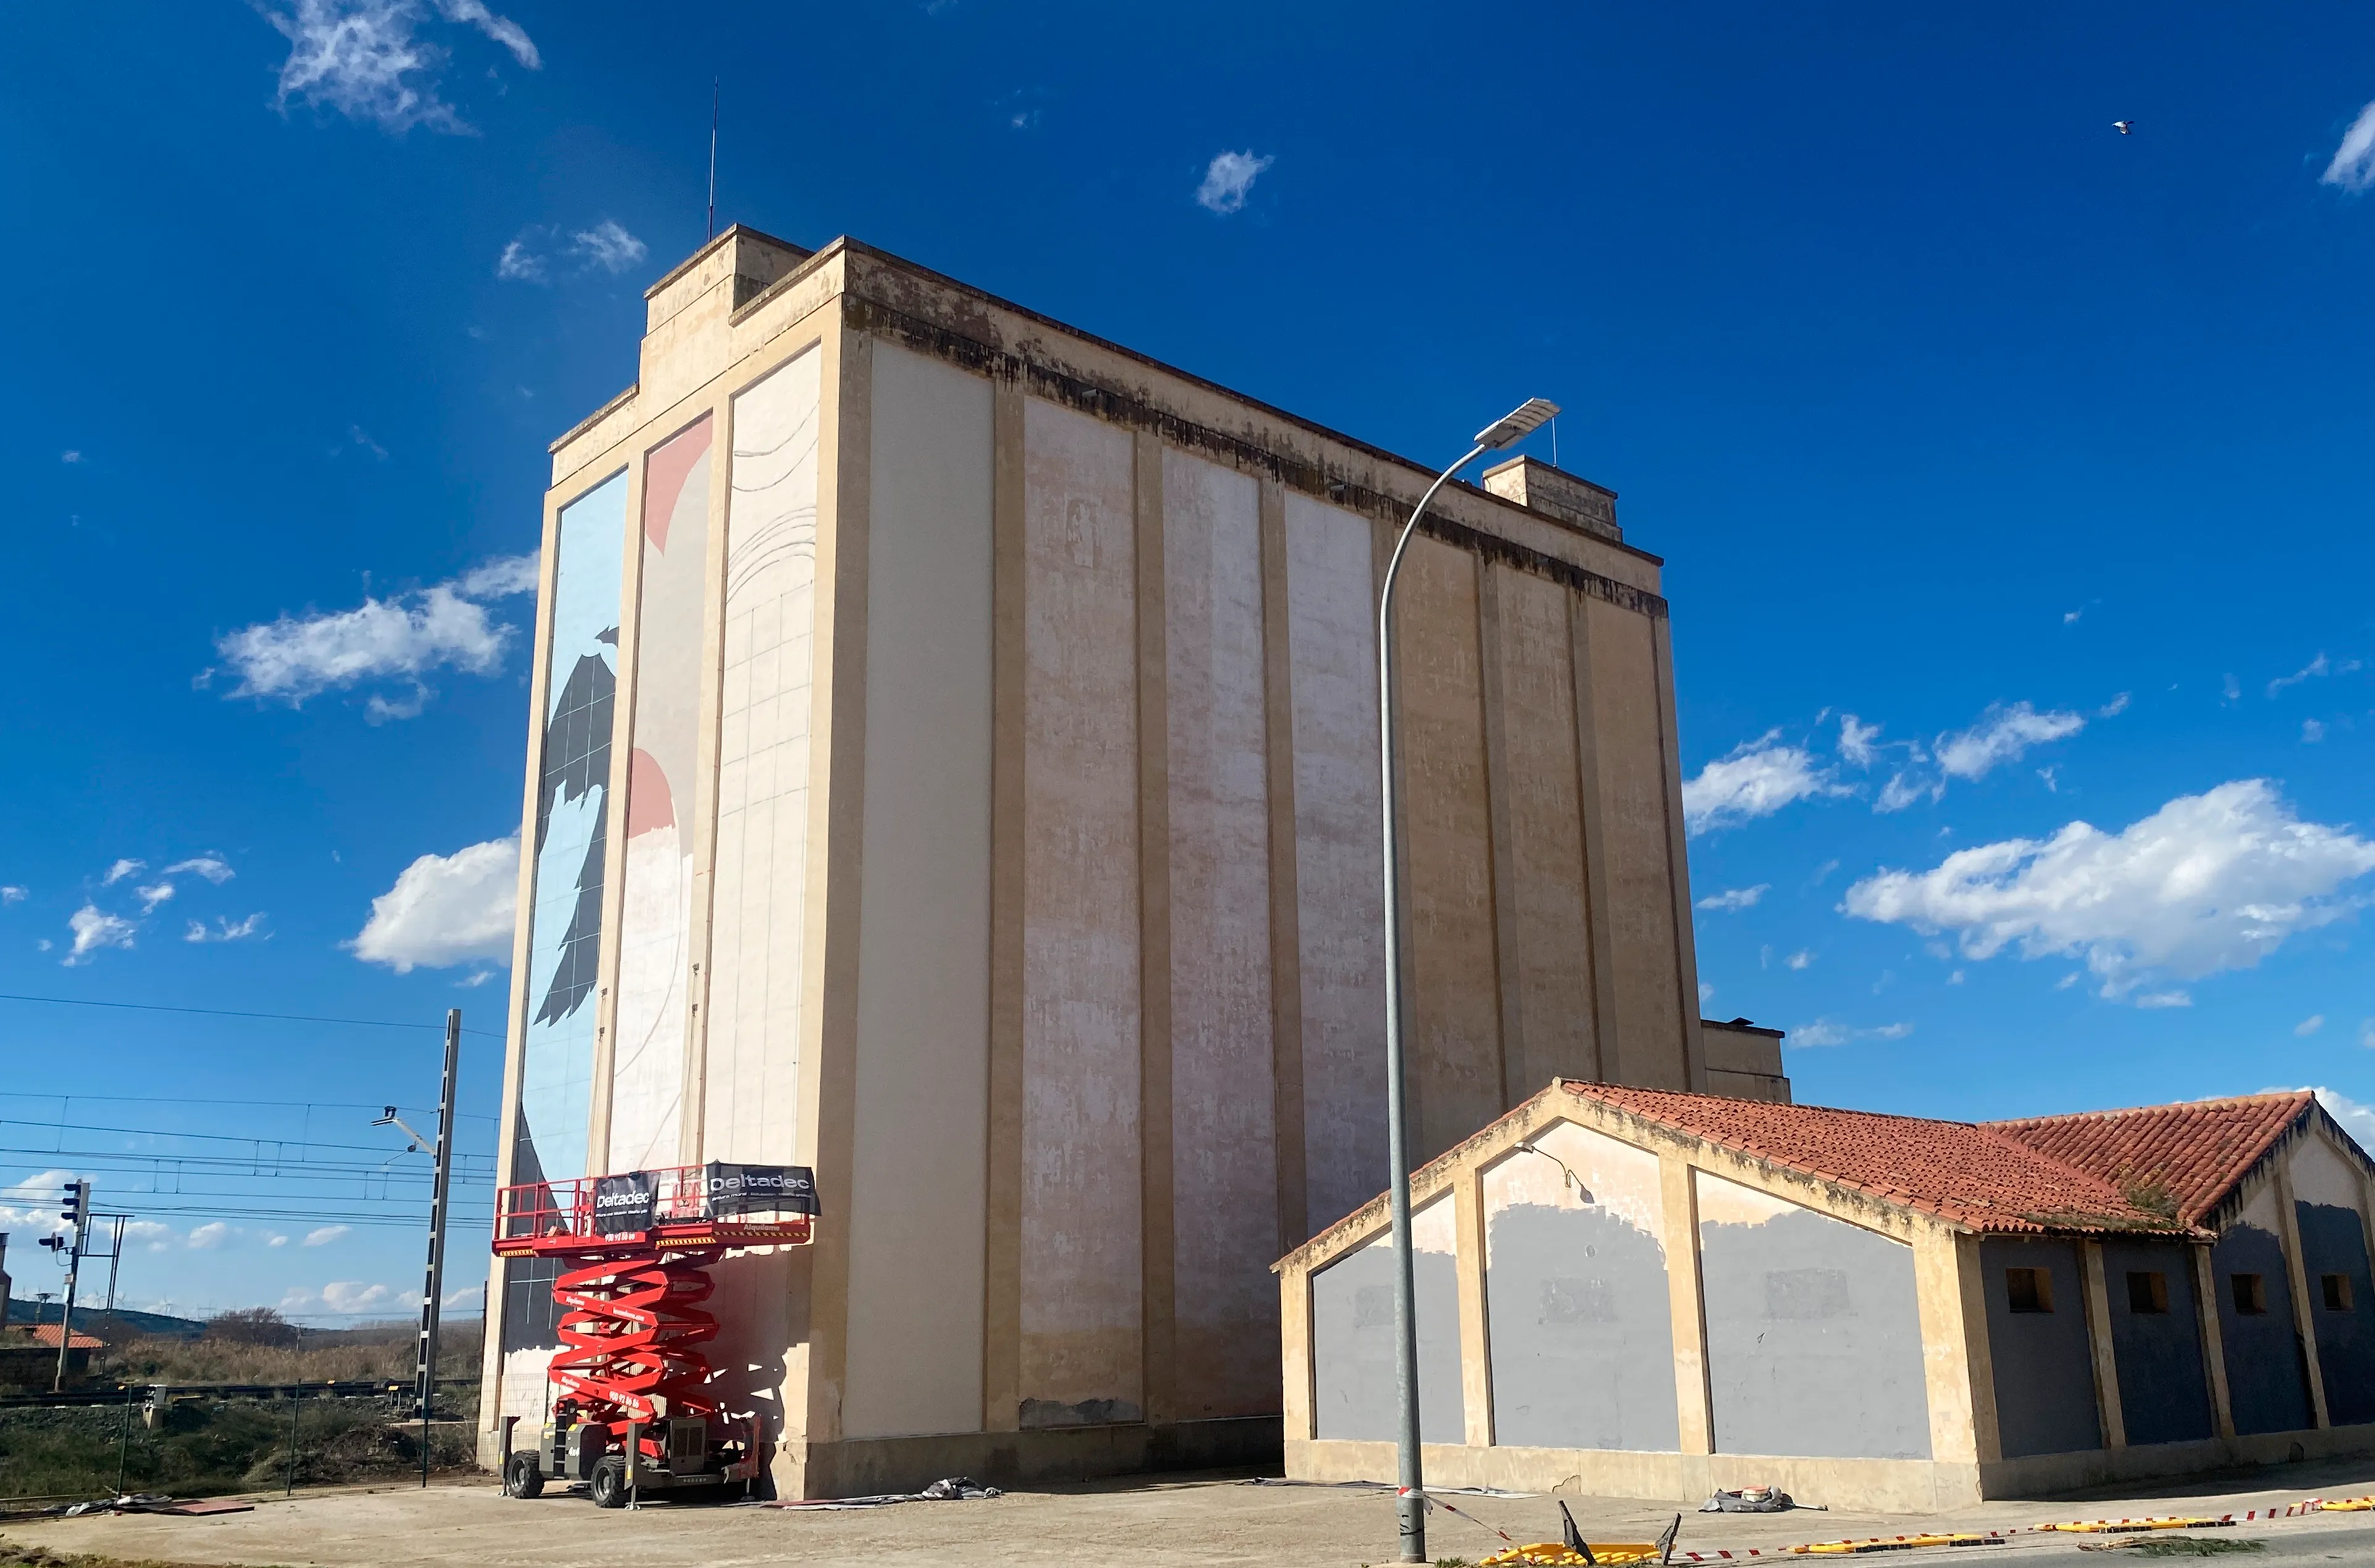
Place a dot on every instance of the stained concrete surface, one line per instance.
(1150, 1522)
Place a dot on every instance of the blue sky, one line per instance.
(2039, 447)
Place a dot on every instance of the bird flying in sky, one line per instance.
(2124, 126)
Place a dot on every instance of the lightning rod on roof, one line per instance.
(712, 159)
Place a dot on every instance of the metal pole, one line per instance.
(432, 1287)
(74, 1270)
(114, 1262)
(123, 1444)
(1410, 1499)
(290, 1491)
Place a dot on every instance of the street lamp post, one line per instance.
(1410, 1500)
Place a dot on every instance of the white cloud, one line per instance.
(11, 894)
(1903, 790)
(2353, 167)
(499, 578)
(2358, 1120)
(69, 456)
(2231, 689)
(445, 909)
(607, 245)
(120, 870)
(1827, 1031)
(2308, 1026)
(224, 929)
(150, 897)
(211, 1237)
(1707, 992)
(94, 928)
(1754, 779)
(366, 60)
(402, 637)
(2312, 731)
(1228, 179)
(324, 1236)
(1735, 898)
(2002, 735)
(2310, 671)
(2209, 882)
(1802, 959)
(1855, 739)
(2114, 707)
(517, 264)
(342, 1298)
(2165, 999)
(213, 867)
(276, 1240)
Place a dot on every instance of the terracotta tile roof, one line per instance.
(2195, 1153)
(46, 1334)
(1981, 1177)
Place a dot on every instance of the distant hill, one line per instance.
(88, 1319)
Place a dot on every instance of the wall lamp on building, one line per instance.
(1569, 1179)
(1411, 1496)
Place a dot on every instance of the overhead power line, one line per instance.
(229, 1012)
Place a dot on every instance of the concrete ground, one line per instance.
(1148, 1522)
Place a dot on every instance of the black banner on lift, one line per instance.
(622, 1204)
(745, 1189)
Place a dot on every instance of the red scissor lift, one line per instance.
(633, 1409)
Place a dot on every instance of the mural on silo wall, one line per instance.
(2267, 1376)
(757, 938)
(571, 806)
(1353, 1337)
(2044, 1366)
(1814, 1331)
(2341, 1295)
(655, 905)
(2157, 1341)
(1575, 1294)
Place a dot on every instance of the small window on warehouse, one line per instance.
(2337, 1292)
(2147, 1290)
(2029, 1289)
(2249, 1292)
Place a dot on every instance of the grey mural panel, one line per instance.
(1352, 1343)
(2267, 1376)
(2044, 1368)
(2157, 1341)
(2333, 1248)
(1582, 1331)
(1813, 1332)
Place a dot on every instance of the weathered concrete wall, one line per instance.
(1082, 1285)
(1447, 837)
(2164, 1389)
(1550, 1027)
(758, 937)
(1223, 1149)
(1353, 1337)
(1580, 1320)
(2267, 1376)
(1814, 1331)
(1340, 901)
(656, 907)
(1650, 1023)
(917, 1223)
(2043, 1362)
(2334, 1243)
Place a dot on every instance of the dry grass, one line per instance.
(351, 1355)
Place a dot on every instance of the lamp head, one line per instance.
(1528, 417)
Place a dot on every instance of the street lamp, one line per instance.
(1409, 1501)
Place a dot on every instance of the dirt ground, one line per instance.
(1148, 1522)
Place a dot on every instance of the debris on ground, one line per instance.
(2174, 1546)
(948, 1488)
(153, 1502)
(1750, 1500)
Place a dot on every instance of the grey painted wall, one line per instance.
(1353, 1348)
(2334, 1243)
(1582, 1331)
(1814, 1340)
(2044, 1368)
(2164, 1392)
(2267, 1378)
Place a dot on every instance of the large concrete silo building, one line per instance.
(952, 769)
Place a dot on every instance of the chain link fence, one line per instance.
(209, 1442)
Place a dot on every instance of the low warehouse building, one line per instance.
(1648, 1293)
